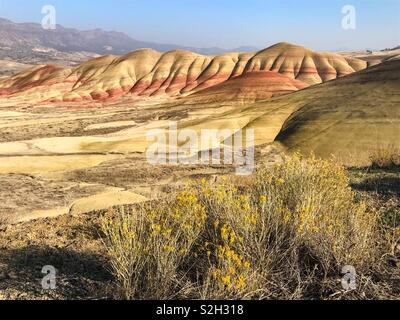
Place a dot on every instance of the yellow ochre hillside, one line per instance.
(146, 73)
(349, 117)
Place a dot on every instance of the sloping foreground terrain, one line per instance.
(348, 117)
(74, 244)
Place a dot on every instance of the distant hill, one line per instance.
(147, 73)
(391, 49)
(8, 68)
(30, 43)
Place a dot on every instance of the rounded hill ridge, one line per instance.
(147, 73)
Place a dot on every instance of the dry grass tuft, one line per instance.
(386, 157)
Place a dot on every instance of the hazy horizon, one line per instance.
(225, 24)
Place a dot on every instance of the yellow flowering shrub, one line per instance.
(234, 240)
(312, 205)
(148, 244)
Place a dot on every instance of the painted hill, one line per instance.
(147, 73)
(348, 117)
(251, 86)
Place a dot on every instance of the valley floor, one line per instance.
(66, 160)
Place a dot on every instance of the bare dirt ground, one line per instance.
(73, 244)
(57, 158)
(42, 174)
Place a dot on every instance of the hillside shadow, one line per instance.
(381, 181)
(78, 274)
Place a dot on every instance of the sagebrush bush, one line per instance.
(147, 247)
(386, 157)
(278, 236)
(315, 224)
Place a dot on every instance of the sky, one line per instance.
(316, 24)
